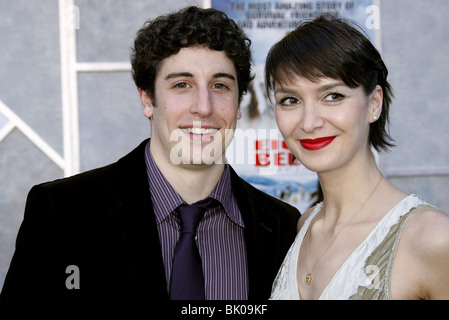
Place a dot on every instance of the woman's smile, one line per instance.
(316, 144)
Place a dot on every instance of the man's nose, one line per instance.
(202, 105)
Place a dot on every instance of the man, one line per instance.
(110, 233)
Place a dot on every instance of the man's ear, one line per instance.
(147, 103)
(375, 103)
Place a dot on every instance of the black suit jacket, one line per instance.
(102, 222)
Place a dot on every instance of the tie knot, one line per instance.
(192, 214)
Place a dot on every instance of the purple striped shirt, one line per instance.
(220, 235)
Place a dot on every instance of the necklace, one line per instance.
(309, 278)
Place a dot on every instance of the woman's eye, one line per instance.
(334, 97)
(289, 101)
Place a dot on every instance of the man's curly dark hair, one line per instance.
(166, 35)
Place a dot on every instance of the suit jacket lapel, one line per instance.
(131, 215)
(261, 235)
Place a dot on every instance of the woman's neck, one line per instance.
(346, 190)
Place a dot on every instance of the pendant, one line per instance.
(308, 279)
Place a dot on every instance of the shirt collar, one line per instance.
(166, 199)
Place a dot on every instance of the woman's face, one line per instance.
(326, 123)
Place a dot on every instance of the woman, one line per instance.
(367, 239)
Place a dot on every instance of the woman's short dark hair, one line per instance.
(333, 47)
(166, 35)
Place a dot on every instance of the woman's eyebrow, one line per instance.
(331, 86)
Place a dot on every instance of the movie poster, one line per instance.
(258, 152)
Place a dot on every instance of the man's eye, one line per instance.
(220, 86)
(181, 85)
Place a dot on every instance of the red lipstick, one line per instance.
(316, 144)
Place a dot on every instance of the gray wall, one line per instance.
(414, 46)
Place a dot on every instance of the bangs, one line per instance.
(317, 52)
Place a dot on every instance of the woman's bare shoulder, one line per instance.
(428, 238)
(431, 226)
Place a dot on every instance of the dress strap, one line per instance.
(363, 273)
(379, 264)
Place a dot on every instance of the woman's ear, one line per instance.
(375, 103)
(147, 103)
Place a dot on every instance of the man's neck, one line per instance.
(193, 182)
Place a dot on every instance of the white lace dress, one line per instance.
(366, 272)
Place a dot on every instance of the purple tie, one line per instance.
(187, 280)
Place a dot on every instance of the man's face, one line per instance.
(195, 107)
